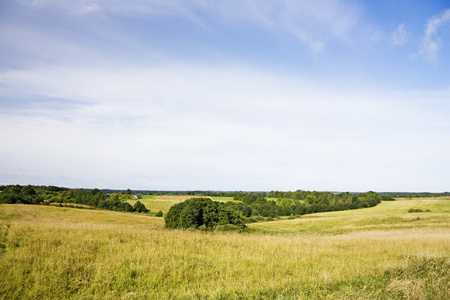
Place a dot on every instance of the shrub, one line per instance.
(251, 220)
(414, 210)
(159, 214)
(139, 207)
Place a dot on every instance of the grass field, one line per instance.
(389, 215)
(156, 203)
(54, 253)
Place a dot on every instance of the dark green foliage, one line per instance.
(12, 194)
(415, 210)
(301, 202)
(306, 202)
(159, 214)
(392, 196)
(202, 213)
(250, 220)
(139, 207)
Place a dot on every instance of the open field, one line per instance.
(156, 203)
(54, 253)
(225, 199)
(389, 215)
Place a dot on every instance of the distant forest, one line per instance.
(250, 205)
(45, 195)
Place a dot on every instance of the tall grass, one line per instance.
(385, 216)
(55, 253)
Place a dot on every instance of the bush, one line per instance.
(139, 207)
(159, 214)
(251, 220)
(415, 210)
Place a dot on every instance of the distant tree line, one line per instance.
(16, 194)
(386, 196)
(301, 202)
(413, 195)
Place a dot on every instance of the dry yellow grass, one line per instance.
(55, 253)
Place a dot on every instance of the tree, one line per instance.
(139, 207)
(139, 195)
(202, 212)
(128, 194)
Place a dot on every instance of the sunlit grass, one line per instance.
(55, 253)
(389, 215)
(163, 203)
(225, 199)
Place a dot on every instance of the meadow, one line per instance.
(163, 203)
(382, 252)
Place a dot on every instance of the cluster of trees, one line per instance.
(12, 194)
(414, 195)
(249, 207)
(301, 202)
(204, 214)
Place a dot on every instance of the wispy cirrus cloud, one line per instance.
(399, 35)
(313, 23)
(431, 43)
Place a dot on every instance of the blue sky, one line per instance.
(226, 95)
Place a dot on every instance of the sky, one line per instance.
(251, 95)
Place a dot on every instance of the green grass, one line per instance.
(162, 203)
(63, 253)
(389, 215)
(225, 199)
(156, 203)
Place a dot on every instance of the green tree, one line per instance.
(139, 207)
(128, 194)
(201, 212)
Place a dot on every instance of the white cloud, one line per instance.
(399, 35)
(88, 8)
(431, 43)
(102, 108)
(208, 128)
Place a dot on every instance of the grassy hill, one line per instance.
(382, 252)
(389, 215)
